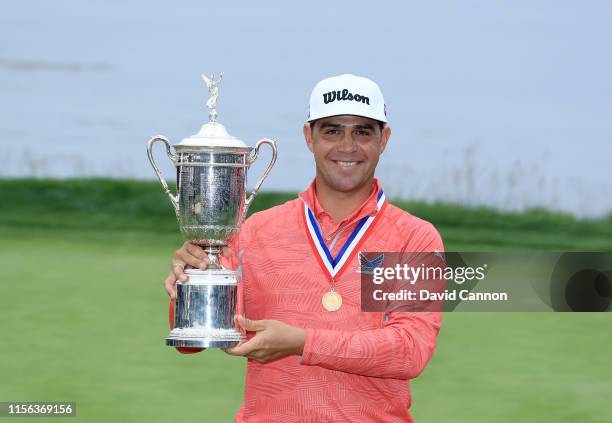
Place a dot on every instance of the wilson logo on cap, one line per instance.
(344, 95)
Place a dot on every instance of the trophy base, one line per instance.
(193, 338)
(204, 310)
(200, 343)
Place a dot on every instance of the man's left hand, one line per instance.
(273, 340)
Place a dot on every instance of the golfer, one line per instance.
(313, 355)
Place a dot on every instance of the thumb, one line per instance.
(250, 325)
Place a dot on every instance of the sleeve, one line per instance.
(400, 349)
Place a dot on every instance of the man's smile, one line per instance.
(346, 164)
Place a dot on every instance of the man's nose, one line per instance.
(347, 143)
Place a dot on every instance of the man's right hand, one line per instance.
(189, 256)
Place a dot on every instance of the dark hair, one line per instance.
(380, 123)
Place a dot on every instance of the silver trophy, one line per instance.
(210, 205)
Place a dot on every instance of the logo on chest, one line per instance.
(369, 262)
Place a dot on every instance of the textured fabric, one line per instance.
(355, 366)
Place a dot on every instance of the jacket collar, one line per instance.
(367, 208)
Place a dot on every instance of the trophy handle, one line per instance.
(250, 161)
(153, 140)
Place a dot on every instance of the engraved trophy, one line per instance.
(210, 205)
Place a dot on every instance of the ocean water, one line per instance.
(502, 105)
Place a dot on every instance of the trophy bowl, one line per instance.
(211, 199)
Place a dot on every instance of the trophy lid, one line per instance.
(212, 134)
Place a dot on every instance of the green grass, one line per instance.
(85, 322)
(85, 315)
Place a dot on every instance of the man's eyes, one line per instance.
(362, 132)
(334, 132)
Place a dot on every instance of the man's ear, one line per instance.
(386, 134)
(308, 136)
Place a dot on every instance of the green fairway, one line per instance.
(85, 315)
(86, 323)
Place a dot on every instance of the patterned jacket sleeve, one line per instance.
(400, 349)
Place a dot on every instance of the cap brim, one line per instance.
(346, 114)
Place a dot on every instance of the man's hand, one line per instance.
(273, 340)
(189, 256)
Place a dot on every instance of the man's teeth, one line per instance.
(347, 164)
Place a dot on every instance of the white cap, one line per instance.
(347, 95)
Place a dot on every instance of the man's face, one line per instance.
(346, 149)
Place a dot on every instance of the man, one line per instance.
(313, 354)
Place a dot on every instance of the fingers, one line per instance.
(250, 325)
(252, 350)
(242, 349)
(198, 259)
(189, 255)
(246, 348)
(178, 270)
(170, 285)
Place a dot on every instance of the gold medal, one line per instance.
(332, 301)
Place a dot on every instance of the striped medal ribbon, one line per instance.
(334, 266)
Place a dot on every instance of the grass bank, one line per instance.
(138, 209)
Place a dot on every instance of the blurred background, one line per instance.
(501, 138)
(490, 104)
